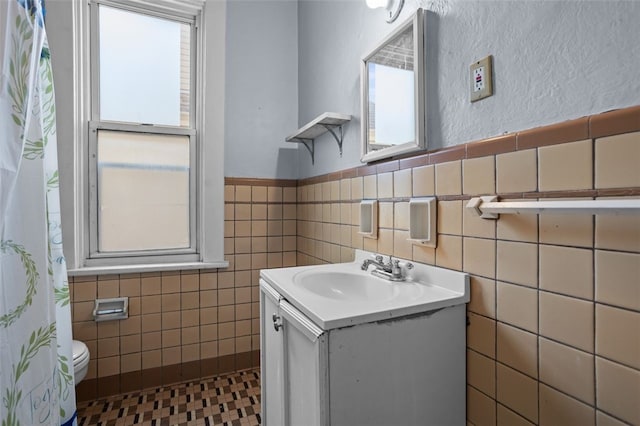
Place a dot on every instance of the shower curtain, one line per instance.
(36, 361)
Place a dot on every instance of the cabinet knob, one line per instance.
(277, 324)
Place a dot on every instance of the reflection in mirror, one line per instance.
(391, 100)
(392, 93)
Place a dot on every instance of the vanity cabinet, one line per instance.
(407, 370)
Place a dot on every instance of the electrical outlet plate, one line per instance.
(481, 79)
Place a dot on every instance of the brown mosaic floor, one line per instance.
(232, 399)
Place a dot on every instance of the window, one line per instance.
(150, 192)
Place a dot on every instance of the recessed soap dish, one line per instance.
(423, 221)
(369, 218)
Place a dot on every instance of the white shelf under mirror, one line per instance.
(423, 221)
(326, 122)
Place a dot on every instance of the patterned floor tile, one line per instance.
(232, 399)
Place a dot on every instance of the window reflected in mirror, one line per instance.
(391, 97)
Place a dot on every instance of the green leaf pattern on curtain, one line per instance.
(19, 69)
(43, 337)
(32, 279)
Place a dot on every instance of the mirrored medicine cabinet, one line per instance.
(392, 93)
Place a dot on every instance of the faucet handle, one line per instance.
(395, 267)
(379, 258)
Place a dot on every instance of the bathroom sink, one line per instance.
(346, 286)
(342, 294)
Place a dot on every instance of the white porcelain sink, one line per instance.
(346, 286)
(339, 295)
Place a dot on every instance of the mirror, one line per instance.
(392, 86)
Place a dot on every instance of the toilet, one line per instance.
(80, 360)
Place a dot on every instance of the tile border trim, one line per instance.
(138, 380)
(610, 123)
(260, 182)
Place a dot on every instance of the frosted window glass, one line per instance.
(144, 68)
(143, 191)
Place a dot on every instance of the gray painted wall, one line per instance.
(553, 61)
(289, 61)
(261, 89)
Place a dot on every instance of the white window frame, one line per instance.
(206, 178)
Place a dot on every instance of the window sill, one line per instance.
(155, 267)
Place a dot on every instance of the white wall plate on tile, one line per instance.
(423, 221)
(369, 218)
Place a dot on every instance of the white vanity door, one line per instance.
(306, 370)
(271, 358)
(294, 364)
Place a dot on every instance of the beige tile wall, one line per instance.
(554, 333)
(185, 324)
(554, 317)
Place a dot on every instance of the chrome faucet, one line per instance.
(378, 261)
(390, 271)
